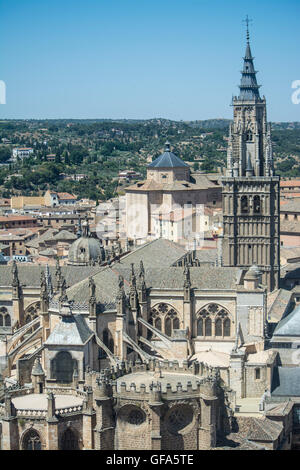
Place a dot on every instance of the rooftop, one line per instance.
(168, 160)
(35, 401)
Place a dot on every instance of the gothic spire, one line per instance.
(58, 275)
(92, 297)
(86, 228)
(132, 277)
(15, 275)
(79, 228)
(63, 291)
(249, 89)
(48, 280)
(121, 292)
(187, 277)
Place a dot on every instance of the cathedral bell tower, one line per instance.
(250, 188)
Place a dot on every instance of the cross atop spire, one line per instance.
(247, 20)
(249, 89)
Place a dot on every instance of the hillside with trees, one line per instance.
(99, 149)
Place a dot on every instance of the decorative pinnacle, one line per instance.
(167, 147)
(247, 21)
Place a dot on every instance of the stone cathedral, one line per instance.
(250, 188)
(159, 348)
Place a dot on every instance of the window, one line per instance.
(179, 419)
(213, 320)
(32, 440)
(32, 312)
(257, 374)
(200, 327)
(5, 319)
(108, 339)
(168, 326)
(69, 441)
(226, 326)
(244, 205)
(208, 331)
(256, 205)
(218, 327)
(157, 323)
(164, 318)
(63, 367)
(249, 136)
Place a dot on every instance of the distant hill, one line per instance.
(217, 123)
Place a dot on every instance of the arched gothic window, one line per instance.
(213, 320)
(32, 440)
(157, 323)
(249, 136)
(256, 205)
(176, 323)
(208, 330)
(5, 319)
(108, 339)
(63, 367)
(200, 327)
(218, 327)
(69, 440)
(244, 205)
(165, 318)
(226, 326)
(32, 312)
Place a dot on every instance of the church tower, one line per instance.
(250, 188)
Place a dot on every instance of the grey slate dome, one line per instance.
(168, 159)
(86, 250)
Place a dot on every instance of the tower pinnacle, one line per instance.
(247, 20)
(249, 89)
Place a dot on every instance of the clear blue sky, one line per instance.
(177, 59)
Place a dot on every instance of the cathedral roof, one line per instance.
(289, 325)
(30, 275)
(212, 358)
(71, 330)
(157, 253)
(263, 429)
(168, 160)
(65, 235)
(205, 277)
(278, 304)
(286, 382)
(197, 182)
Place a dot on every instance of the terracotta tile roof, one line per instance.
(12, 218)
(291, 227)
(289, 183)
(66, 196)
